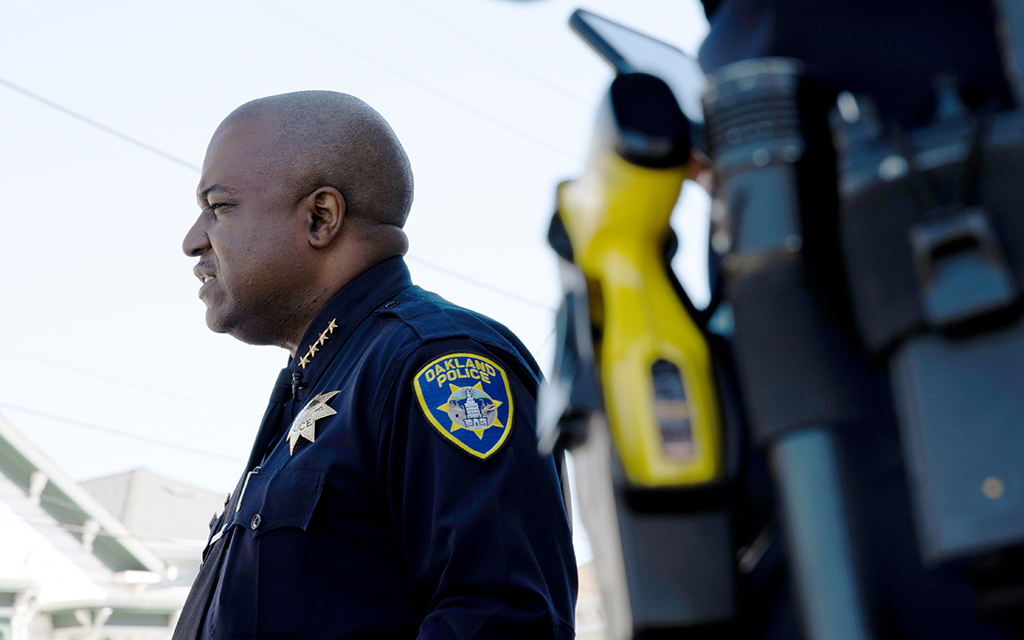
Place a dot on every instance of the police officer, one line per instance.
(891, 51)
(907, 58)
(394, 489)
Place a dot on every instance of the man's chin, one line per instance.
(245, 332)
(216, 322)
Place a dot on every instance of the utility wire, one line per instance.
(483, 115)
(102, 127)
(482, 285)
(124, 434)
(168, 156)
(89, 373)
(548, 339)
(497, 56)
(165, 155)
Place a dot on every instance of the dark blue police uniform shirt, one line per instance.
(892, 51)
(389, 523)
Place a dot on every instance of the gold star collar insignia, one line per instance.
(313, 348)
(304, 425)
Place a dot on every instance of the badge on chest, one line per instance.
(304, 424)
(467, 399)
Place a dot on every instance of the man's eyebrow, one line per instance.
(214, 187)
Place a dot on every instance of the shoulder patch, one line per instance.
(467, 399)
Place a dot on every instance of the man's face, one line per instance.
(247, 237)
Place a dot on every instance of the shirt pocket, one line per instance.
(289, 500)
(284, 571)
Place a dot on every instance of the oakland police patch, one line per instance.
(468, 400)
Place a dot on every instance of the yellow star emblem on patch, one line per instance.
(472, 408)
(304, 425)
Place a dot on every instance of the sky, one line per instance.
(106, 108)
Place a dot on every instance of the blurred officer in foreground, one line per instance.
(893, 52)
(394, 488)
(863, 341)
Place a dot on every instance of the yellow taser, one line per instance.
(654, 362)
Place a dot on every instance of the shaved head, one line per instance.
(334, 139)
(300, 194)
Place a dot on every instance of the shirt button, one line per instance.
(256, 520)
(391, 305)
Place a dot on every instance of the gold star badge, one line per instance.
(304, 425)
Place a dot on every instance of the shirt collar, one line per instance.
(342, 314)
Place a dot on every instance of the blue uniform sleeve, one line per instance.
(477, 511)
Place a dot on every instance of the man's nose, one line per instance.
(196, 240)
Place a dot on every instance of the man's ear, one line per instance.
(326, 210)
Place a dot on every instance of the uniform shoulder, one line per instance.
(433, 319)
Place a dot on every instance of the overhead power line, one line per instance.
(99, 125)
(553, 86)
(96, 375)
(123, 434)
(482, 285)
(483, 115)
(171, 157)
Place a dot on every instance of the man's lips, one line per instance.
(206, 275)
(204, 272)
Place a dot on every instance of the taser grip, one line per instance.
(655, 365)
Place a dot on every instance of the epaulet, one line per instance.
(424, 315)
(431, 317)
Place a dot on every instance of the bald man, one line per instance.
(394, 489)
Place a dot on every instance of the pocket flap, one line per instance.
(286, 498)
